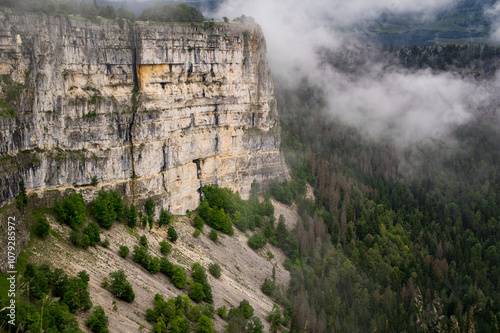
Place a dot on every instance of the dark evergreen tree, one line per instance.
(120, 287)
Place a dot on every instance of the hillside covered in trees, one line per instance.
(402, 252)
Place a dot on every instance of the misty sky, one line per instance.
(410, 106)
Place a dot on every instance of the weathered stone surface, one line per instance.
(156, 110)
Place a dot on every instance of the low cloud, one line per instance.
(408, 106)
(296, 29)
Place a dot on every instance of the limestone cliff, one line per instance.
(151, 110)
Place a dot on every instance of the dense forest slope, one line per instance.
(404, 251)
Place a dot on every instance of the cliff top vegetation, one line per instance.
(171, 13)
(91, 10)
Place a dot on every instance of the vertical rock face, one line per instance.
(152, 110)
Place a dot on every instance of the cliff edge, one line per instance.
(154, 111)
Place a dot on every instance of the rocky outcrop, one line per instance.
(152, 110)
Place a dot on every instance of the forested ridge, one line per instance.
(413, 251)
(476, 61)
(480, 61)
